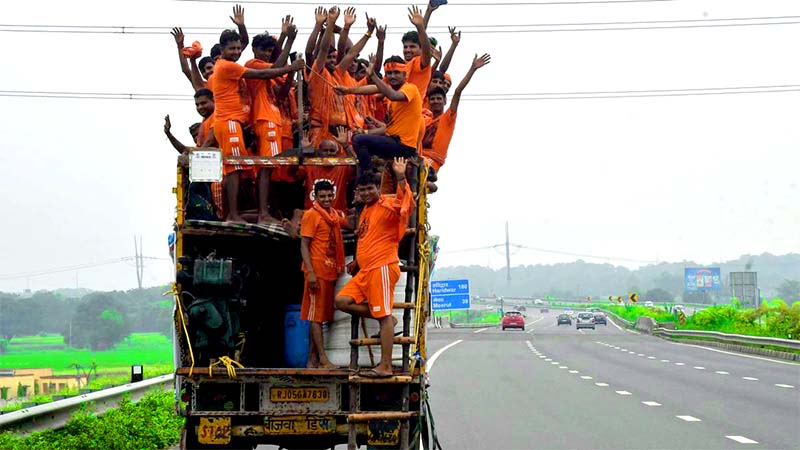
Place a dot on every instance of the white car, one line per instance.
(649, 304)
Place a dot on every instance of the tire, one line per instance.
(523, 328)
(504, 328)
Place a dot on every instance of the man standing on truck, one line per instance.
(382, 224)
(322, 249)
(232, 111)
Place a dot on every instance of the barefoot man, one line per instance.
(322, 249)
(370, 293)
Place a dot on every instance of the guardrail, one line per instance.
(56, 414)
(730, 338)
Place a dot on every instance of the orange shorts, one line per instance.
(268, 138)
(375, 286)
(231, 141)
(317, 305)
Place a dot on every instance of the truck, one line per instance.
(240, 375)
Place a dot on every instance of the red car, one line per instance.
(513, 319)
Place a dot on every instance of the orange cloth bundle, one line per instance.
(194, 51)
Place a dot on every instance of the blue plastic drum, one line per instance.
(295, 351)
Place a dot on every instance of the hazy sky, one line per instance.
(704, 177)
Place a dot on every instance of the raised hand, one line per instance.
(436, 53)
(333, 14)
(371, 66)
(416, 17)
(349, 16)
(320, 15)
(371, 24)
(238, 15)
(177, 33)
(297, 65)
(481, 61)
(305, 141)
(286, 23)
(455, 37)
(167, 124)
(291, 31)
(341, 135)
(381, 34)
(399, 167)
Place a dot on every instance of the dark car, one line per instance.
(564, 319)
(600, 318)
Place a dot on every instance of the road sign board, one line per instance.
(450, 294)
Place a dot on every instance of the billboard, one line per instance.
(701, 279)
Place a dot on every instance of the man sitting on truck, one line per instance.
(382, 224)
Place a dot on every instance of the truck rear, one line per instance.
(240, 346)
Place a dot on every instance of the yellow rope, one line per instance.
(229, 365)
(183, 324)
(424, 250)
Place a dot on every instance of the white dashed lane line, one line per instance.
(665, 360)
(750, 378)
(680, 364)
(623, 392)
(787, 386)
(742, 439)
(586, 377)
(722, 372)
(601, 384)
(689, 418)
(573, 371)
(481, 330)
(651, 403)
(699, 367)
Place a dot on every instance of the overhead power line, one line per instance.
(476, 28)
(583, 255)
(312, 2)
(506, 97)
(37, 273)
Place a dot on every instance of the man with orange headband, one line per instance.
(401, 135)
(381, 225)
(439, 131)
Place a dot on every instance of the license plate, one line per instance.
(383, 433)
(299, 394)
(214, 430)
(300, 425)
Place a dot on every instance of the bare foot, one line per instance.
(266, 219)
(327, 365)
(234, 218)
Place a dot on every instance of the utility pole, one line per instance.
(508, 259)
(137, 246)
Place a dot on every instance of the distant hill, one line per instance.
(580, 279)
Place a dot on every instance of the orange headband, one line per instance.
(394, 66)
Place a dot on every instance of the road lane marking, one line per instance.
(689, 418)
(439, 352)
(651, 357)
(737, 354)
(580, 331)
(563, 367)
(533, 322)
(699, 367)
(555, 363)
(651, 403)
(640, 354)
(750, 378)
(614, 323)
(741, 439)
(632, 353)
(481, 330)
(616, 348)
(623, 393)
(787, 386)
(664, 360)
(586, 377)
(680, 364)
(601, 384)
(624, 350)
(542, 356)
(548, 359)
(573, 371)
(634, 332)
(722, 372)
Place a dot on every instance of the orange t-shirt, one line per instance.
(381, 227)
(353, 104)
(405, 117)
(339, 176)
(231, 98)
(314, 227)
(259, 91)
(327, 107)
(437, 138)
(418, 76)
(205, 128)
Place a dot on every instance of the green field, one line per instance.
(30, 352)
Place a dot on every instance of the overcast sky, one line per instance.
(703, 178)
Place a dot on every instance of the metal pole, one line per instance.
(508, 259)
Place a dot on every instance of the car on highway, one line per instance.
(538, 301)
(544, 309)
(564, 319)
(600, 318)
(648, 304)
(584, 320)
(570, 313)
(513, 319)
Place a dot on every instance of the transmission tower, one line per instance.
(137, 246)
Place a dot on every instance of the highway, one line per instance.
(554, 387)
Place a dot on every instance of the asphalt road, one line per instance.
(554, 387)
